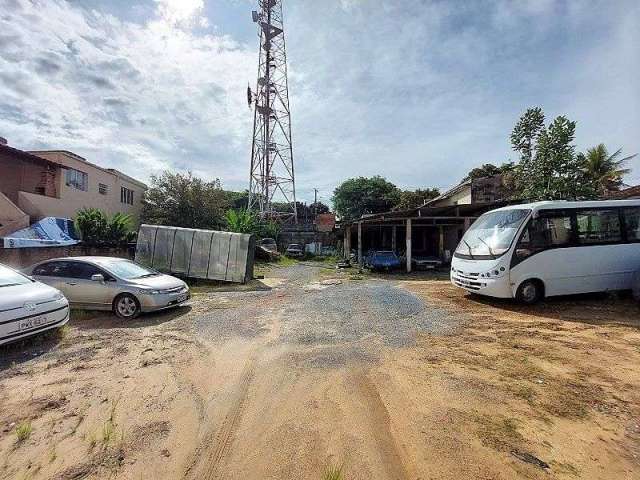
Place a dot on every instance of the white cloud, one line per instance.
(182, 12)
(135, 97)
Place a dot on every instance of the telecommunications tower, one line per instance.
(271, 178)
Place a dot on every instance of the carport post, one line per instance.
(393, 238)
(441, 242)
(347, 242)
(360, 244)
(408, 245)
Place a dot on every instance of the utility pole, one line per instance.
(315, 203)
(271, 174)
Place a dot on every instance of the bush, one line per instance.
(95, 228)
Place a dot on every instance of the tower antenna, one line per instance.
(271, 177)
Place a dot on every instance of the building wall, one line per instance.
(73, 199)
(11, 217)
(25, 257)
(463, 197)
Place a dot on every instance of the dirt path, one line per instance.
(391, 378)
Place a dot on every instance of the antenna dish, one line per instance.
(255, 16)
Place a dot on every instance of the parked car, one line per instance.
(269, 244)
(425, 262)
(294, 250)
(28, 307)
(107, 283)
(383, 260)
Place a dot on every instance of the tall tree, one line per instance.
(185, 201)
(361, 195)
(549, 167)
(603, 170)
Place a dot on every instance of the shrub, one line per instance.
(96, 228)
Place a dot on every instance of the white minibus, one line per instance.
(542, 249)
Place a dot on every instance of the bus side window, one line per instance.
(632, 223)
(544, 233)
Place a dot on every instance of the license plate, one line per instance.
(33, 322)
(182, 297)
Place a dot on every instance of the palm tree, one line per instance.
(604, 170)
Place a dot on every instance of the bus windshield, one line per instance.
(491, 235)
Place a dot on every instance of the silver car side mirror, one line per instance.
(97, 277)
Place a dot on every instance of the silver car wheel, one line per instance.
(127, 306)
(529, 292)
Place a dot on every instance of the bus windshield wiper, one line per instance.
(493, 255)
(469, 247)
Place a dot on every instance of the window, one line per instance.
(492, 234)
(84, 271)
(53, 269)
(103, 189)
(77, 179)
(598, 226)
(126, 196)
(632, 223)
(9, 277)
(553, 230)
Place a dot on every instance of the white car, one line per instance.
(28, 307)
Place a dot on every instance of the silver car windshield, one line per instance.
(129, 270)
(491, 235)
(9, 278)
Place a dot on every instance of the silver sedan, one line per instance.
(107, 283)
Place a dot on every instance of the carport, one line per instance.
(432, 232)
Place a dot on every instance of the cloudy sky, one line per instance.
(417, 91)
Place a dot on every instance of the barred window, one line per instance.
(126, 196)
(77, 179)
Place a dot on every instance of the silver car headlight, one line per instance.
(145, 291)
(57, 296)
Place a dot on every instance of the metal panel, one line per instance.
(197, 253)
(182, 251)
(145, 245)
(199, 265)
(163, 249)
(219, 256)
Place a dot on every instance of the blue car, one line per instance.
(383, 260)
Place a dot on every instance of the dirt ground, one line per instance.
(390, 377)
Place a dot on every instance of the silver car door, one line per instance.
(82, 289)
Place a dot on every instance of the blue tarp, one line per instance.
(48, 232)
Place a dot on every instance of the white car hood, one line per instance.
(17, 295)
(160, 282)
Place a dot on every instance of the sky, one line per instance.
(417, 91)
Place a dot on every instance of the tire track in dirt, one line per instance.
(381, 428)
(217, 443)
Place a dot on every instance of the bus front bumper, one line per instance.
(493, 287)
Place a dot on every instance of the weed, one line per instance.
(333, 473)
(23, 431)
(62, 332)
(108, 430)
(53, 455)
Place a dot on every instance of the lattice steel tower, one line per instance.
(272, 175)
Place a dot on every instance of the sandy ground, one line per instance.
(392, 378)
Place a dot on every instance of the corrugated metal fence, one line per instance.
(197, 253)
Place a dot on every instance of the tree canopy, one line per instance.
(488, 170)
(358, 196)
(604, 170)
(549, 167)
(416, 198)
(185, 201)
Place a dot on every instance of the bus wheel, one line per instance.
(530, 292)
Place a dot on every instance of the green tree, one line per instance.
(415, 198)
(605, 171)
(549, 167)
(181, 200)
(92, 225)
(488, 170)
(358, 196)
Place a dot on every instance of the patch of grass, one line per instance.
(333, 473)
(356, 277)
(498, 431)
(83, 314)
(108, 432)
(23, 431)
